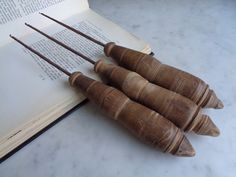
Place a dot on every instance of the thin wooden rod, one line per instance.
(62, 44)
(75, 30)
(41, 56)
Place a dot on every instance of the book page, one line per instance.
(14, 13)
(33, 93)
(115, 33)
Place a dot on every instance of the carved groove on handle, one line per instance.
(120, 108)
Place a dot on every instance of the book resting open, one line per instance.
(33, 94)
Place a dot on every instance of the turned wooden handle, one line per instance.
(146, 124)
(166, 76)
(178, 109)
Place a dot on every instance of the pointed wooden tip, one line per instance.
(185, 149)
(219, 105)
(214, 132)
(213, 101)
(207, 127)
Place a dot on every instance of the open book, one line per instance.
(32, 93)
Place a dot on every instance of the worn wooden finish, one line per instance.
(178, 109)
(143, 122)
(166, 76)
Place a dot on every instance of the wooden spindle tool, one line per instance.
(143, 122)
(178, 109)
(153, 70)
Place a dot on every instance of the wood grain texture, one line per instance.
(180, 110)
(143, 122)
(163, 75)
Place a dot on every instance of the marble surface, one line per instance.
(197, 36)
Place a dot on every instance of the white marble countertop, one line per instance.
(197, 36)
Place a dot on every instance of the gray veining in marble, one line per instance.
(195, 35)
